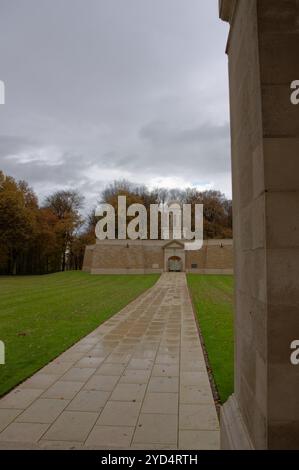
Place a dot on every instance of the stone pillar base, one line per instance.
(233, 432)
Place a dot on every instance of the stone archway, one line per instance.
(174, 249)
(175, 264)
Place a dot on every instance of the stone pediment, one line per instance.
(174, 244)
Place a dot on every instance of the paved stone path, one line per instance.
(138, 381)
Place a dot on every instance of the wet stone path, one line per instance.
(138, 381)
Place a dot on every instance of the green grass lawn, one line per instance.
(42, 316)
(213, 301)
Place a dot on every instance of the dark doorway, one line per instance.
(175, 264)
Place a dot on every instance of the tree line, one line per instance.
(50, 237)
(217, 209)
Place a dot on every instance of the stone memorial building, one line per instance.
(157, 256)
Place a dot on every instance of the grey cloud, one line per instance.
(159, 133)
(107, 89)
(68, 171)
(13, 144)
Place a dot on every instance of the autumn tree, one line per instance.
(53, 237)
(18, 211)
(217, 212)
(217, 208)
(48, 250)
(65, 205)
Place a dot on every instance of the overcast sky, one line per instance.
(98, 90)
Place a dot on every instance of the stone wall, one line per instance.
(263, 62)
(117, 256)
(88, 258)
(248, 211)
(215, 257)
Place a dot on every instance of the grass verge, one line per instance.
(42, 316)
(213, 300)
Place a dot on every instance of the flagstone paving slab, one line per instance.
(165, 403)
(138, 381)
(135, 377)
(160, 370)
(111, 369)
(7, 416)
(72, 426)
(128, 392)
(156, 429)
(200, 440)
(20, 398)
(89, 400)
(164, 384)
(77, 374)
(113, 436)
(102, 382)
(63, 390)
(40, 381)
(23, 432)
(198, 417)
(43, 410)
(57, 368)
(120, 413)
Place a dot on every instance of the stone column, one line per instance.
(262, 48)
